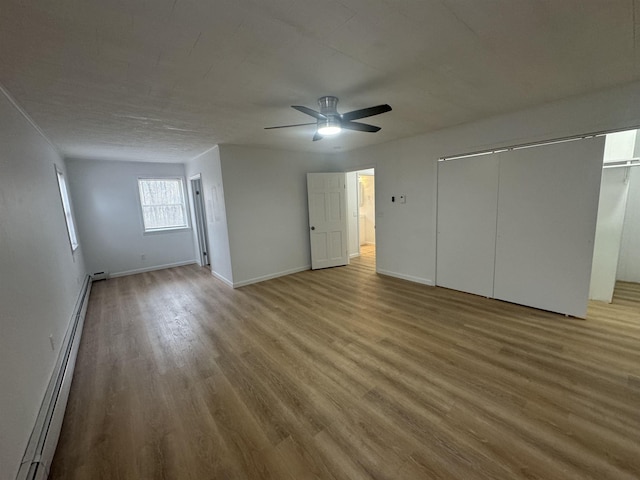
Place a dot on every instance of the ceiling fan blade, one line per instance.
(360, 127)
(287, 126)
(365, 112)
(308, 111)
(317, 137)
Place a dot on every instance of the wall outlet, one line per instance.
(403, 199)
(143, 257)
(53, 345)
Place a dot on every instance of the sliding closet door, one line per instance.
(467, 202)
(547, 211)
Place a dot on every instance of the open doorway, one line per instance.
(200, 220)
(362, 213)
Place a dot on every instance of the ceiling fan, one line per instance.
(330, 122)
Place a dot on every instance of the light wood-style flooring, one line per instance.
(345, 374)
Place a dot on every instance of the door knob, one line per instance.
(313, 228)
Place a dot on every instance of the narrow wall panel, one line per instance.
(611, 212)
(629, 261)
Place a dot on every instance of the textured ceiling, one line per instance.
(165, 80)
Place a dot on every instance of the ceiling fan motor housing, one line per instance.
(331, 124)
(328, 105)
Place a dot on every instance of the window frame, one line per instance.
(67, 210)
(185, 205)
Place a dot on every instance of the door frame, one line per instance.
(357, 170)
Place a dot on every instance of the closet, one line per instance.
(519, 225)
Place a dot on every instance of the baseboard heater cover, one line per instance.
(44, 438)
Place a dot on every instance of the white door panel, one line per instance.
(327, 219)
(467, 210)
(547, 210)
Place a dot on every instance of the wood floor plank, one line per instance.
(346, 374)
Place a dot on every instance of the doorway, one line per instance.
(362, 213)
(200, 220)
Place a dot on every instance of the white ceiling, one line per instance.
(165, 80)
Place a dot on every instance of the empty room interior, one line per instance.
(336, 239)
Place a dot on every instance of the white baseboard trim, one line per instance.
(46, 431)
(151, 269)
(270, 276)
(423, 281)
(222, 279)
(353, 255)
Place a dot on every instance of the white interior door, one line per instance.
(467, 211)
(547, 210)
(327, 219)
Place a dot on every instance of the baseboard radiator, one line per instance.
(44, 438)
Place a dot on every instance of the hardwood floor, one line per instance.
(344, 374)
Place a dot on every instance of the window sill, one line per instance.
(167, 230)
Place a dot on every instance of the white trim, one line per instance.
(65, 201)
(151, 269)
(13, 101)
(353, 255)
(222, 279)
(357, 169)
(402, 276)
(271, 276)
(201, 154)
(166, 230)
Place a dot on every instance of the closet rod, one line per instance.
(628, 163)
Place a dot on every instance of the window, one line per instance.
(66, 207)
(163, 204)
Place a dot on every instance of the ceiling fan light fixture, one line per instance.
(325, 131)
(329, 126)
(329, 122)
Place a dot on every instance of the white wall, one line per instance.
(352, 213)
(406, 233)
(109, 217)
(611, 212)
(265, 193)
(208, 166)
(619, 146)
(629, 260)
(40, 278)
